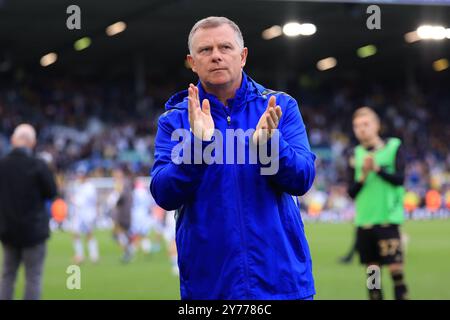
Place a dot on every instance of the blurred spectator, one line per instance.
(26, 185)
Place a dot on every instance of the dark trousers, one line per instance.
(33, 259)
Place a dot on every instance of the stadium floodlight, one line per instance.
(116, 28)
(294, 29)
(439, 33)
(426, 32)
(366, 51)
(326, 64)
(272, 32)
(48, 59)
(308, 29)
(440, 65)
(82, 43)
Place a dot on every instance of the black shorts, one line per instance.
(379, 244)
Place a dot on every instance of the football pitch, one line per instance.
(149, 276)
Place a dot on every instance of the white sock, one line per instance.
(123, 240)
(146, 245)
(130, 248)
(174, 260)
(175, 270)
(78, 247)
(93, 250)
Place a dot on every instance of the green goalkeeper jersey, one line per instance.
(378, 201)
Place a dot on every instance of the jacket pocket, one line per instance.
(183, 248)
(294, 229)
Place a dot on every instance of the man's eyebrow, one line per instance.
(226, 43)
(204, 46)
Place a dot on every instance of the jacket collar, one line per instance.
(249, 90)
(238, 99)
(22, 151)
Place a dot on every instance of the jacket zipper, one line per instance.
(227, 112)
(241, 219)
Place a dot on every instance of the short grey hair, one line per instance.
(213, 22)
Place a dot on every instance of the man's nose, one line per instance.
(216, 55)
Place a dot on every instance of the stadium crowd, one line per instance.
(102, 126)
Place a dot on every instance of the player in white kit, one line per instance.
(169, 236)
(83, 202)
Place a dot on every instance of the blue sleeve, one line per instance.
(296, 170)
(173, 183)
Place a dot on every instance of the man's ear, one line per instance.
(244, 54)
(191, 62)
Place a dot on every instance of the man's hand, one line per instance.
(200, 119)
(368, 165)
(267, 123)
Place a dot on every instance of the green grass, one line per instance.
(146, 277)
(149, 277)
(427, 262)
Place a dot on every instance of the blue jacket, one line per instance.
(239, 234)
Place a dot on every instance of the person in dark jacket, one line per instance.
(122, 211)
(26, 184)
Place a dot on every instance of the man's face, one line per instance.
(365, 127)
(216, 56)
